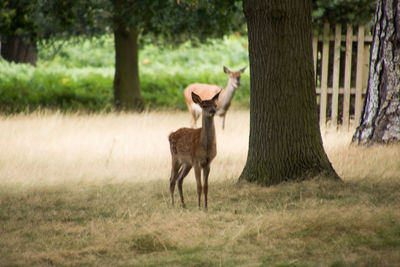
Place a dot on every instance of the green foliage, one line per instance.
(16, 18)
(162, 20)
(47, 19)
(165, 73)
(24, 88)
(64, 18)
(79, 53)
(79, 77)
(343, 11)
(176, 21)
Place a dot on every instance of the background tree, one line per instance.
(168, 21)
(285, 141)
(18, 30)
(380, 121)
(132, 22)
(25, 23)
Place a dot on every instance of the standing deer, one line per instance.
(194, 148)
(205, 91)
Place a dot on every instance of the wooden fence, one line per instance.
(341, 60)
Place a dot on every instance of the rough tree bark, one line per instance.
(19, 50)
(127, 94)
(285, 143)
(380, 120)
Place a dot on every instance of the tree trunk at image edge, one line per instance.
(285, 142)
(127, 94)
(380, 121)
(17, 49)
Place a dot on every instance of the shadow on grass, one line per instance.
(313, 222)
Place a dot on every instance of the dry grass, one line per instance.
(53, 149)
(93, 190)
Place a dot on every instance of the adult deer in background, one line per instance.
(194, 148)
(206, 91)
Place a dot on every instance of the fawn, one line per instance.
(205, 91)
(194, 148)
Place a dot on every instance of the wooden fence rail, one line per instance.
(341, 60)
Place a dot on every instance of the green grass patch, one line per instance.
(79, 77)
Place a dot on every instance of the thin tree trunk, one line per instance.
(127, 94)
(17, 49)
(285, 142)
(380, 120)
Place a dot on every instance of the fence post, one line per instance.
(324, 77)
(347, 77)
(359, 74)
(336, 69)
(315, 55)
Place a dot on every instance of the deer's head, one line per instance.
(234, 76)
(209, 107)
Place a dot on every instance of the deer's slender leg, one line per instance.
(193, 122)
(172, 180)
(194, 119)
(197, 173)
(223, 121)
(206, 172)
(182, 174)
(195, 110)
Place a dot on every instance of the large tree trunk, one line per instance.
(127, 94)
(285, 142)
(380, 121)
(17, 49)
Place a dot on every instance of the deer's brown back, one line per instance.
(183, 141)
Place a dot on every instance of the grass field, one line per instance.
(93, 190)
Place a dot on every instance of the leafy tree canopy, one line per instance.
(164, 20)
(343, 11)
(18, 18)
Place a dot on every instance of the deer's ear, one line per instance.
(215, 98)
(226, 70)
(242, 70)
(196, 99)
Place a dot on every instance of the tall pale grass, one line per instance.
(54, 148)
(41, 149)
